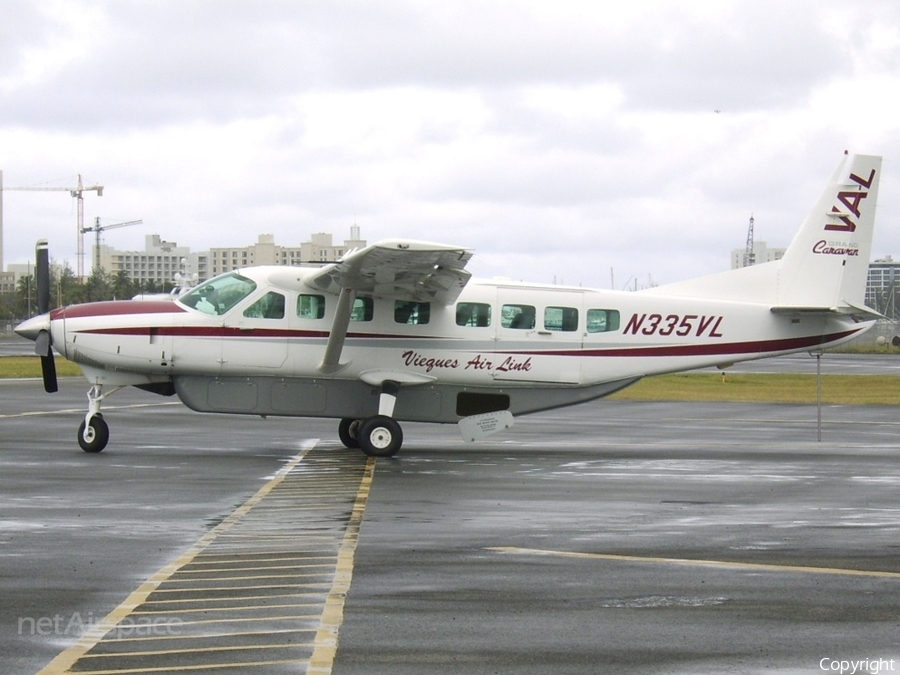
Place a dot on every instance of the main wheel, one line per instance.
(348, 432)
(97, 435)
(380, 436)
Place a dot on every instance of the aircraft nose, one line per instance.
(32, 327)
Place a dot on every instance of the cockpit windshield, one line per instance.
(217, 296)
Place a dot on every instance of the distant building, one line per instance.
(320, 249)
(761, 254)
(7, 282)
(882, 293)
(159, 262)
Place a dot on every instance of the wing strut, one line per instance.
(331, 362)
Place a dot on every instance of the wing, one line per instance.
(401, 269)
(417, 271)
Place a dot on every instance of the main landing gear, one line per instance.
(378, 436)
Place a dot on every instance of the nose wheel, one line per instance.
(94, 435)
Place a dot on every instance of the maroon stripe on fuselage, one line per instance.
(709, 349)
(231, 331)
(207, 332)
(117, 308)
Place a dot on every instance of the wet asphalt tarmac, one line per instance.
(611, 537)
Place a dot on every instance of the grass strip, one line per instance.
(30, 366)
(748, 387)
(766, 388)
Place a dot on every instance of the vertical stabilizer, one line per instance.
(826, 264)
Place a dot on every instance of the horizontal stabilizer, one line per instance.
(860, 312)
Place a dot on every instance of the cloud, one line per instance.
(562, 139)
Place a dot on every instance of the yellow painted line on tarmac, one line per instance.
(216, 571)
(322, 659)
(723, 564)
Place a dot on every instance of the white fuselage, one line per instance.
(540, 346)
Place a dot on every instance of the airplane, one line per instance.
(400, 331)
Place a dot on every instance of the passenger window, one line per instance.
(311, 307)
(475, 314)
(363, 309)
(517, 316)
(269, 306)
(561, 318)
(602, 320)
(412, 313)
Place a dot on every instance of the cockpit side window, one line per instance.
(269, 306)
(217, 296)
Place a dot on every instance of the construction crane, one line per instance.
(98, 228)
(78, 194)
(749, 253)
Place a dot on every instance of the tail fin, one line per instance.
(825, 266)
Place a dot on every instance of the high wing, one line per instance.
(417, 271)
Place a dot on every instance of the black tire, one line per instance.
(348, 432)
(380, 436)
(98, 435)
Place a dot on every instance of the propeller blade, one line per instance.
(42, 344)
(48, 363)
(42, 276)
(48, 370)
(44, 341)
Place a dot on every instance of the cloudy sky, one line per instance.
(592, 143)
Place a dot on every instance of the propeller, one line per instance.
(43, 344)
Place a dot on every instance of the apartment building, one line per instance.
(159, 262)
(320, 249)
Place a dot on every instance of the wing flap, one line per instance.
(400, 269)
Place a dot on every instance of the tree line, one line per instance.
(65, 289)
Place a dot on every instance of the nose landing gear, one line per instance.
(93, 433)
